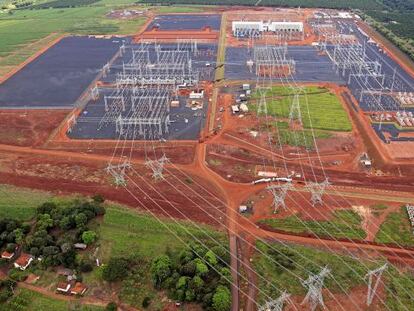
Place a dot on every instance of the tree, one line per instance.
(44, 222)
(11, 247)
(88, 237)
(160, 269)
(81, 220)
(189, 268)
(225, 277)
(116, 269)
(201, 267)
(222, 299)
(98, 198)
(46, 208)
(66, 223)
(211, 258)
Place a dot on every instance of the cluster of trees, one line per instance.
(404, 42)
(334, 4)
(16, 4)
(400, 5)
(58, 227)
(63, 4)
(12, 232)
(196, 274)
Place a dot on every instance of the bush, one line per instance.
(88, 237)
(160, 269)
(111, 306)
(98, 198)
(115, 270)
(146, 302)
(85, 266)
(17, 275)
(222, 299)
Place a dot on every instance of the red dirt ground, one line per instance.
(28, 127)
(72, 176)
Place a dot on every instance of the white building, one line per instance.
(247, 26)
(260, 26)
(286, 26)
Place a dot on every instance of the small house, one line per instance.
(63, 287)
(23, 261)
(7, 255)
(79, 289)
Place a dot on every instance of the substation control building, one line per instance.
(243, 28)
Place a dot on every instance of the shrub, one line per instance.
(85, 266)
(115, 270)
(111, 306)
(88, 237)
(146, 302)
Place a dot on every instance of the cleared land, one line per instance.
(320, 108)
(344, 224)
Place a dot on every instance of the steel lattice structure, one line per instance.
(272, 61)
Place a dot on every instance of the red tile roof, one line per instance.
(23, 260)
(62, 286)
(78, 289)
(6, 254)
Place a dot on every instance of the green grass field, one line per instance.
(297, 261)
(300, 138)
(344, 224)
(320, 109)
(125, 232)
(396, 229)
(399, 290)
(28, 300)
(20, 203)
(26, 26)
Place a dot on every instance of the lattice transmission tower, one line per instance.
(372, 288)
(276, 304)
(118, 172)
(314, 283)
(157, 167)
(279, 193)
(317, 190)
